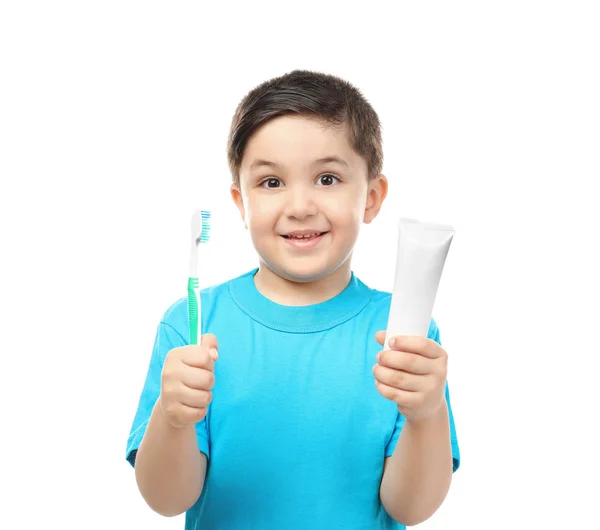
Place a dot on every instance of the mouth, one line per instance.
(304, 237)
(307, 240)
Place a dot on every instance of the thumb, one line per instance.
(209, 341)
(380, 336)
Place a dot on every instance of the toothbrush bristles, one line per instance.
(204, 235)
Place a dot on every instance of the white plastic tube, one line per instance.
(422, 251)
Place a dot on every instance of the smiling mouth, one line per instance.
(305, 237)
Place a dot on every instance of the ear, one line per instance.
(236, 195)
(376, 194)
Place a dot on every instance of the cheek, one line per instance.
(260, 213)
(347, 211)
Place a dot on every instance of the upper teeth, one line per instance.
(304, 236)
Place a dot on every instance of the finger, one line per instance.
(399, 379)
(197, 378)
(380, 336)
(197, 357)
(409, 362)
(191, 414)
(401, 397)
(194, 398)
(209, 341)
(415, 344)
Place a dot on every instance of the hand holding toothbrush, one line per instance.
(186, 383)
(188, 372)
(413, 375)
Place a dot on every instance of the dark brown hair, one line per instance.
(324, 97)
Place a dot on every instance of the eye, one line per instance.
(271, 183)
(328, 179)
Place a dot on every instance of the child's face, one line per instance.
(285, 187)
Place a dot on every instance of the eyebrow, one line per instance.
(320, 161)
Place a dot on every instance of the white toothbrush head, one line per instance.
(201, 227)
(200, 234)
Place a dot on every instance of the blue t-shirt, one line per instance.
(296, 433)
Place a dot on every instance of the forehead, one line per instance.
(294, 140)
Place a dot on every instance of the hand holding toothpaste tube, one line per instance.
(412, 374)
(411, 370)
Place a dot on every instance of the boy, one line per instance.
(286, 430)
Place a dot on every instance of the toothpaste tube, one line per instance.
(422, 251)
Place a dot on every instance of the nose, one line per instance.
(300, 203)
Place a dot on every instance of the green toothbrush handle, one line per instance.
(194, 314)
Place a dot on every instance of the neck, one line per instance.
(291, 293)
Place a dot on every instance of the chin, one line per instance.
(301, 273)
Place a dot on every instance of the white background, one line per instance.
(113, 121)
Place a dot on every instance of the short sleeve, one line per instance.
(434, 334)
(166, 339)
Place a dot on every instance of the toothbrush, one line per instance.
(200, 234)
